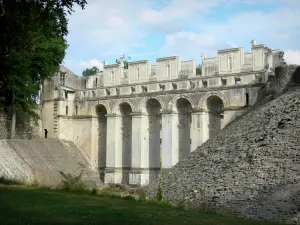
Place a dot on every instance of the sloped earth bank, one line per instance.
(252, 167)
(43, 160)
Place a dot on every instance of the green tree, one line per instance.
(32, 45)
(199, 70)
(125, 59)
(88, 72)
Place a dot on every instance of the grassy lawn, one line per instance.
(37, 206)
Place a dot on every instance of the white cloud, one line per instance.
(90, 63)
(174, 14)
(107, 29)
(292, 57)
(278, 25)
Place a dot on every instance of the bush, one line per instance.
(159, 194)
(9, 181)
(73, 183)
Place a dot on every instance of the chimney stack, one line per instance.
(253, 43)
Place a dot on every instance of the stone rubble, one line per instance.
(251, 168)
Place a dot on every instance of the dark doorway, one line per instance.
(46, 133)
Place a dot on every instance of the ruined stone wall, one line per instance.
(25, 128)
(251, 168)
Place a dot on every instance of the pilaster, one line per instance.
(139, 174)
(204, 129)
(94, 143)
(169, 146)
(114, 152)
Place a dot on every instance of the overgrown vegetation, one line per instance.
(8, 181)
(199, 70)
(90, 71)
(159, 195)
(123, 59)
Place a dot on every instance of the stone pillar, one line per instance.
(204, 129)
(199, 128)
(113, 171)
(169, 146)
(94, 143)
(139, 172)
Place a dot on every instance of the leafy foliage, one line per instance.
(89, 72)
(124, 59)
(32, 45)
(159, 194)
(73, 183)
(199, 70)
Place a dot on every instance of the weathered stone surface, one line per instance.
(43, 160)
(252, 167)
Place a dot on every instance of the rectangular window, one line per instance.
(67, 110)
(224, 81)
(137, 77)
(168, 71)
(76, 109)
(237, 80)
(112, 76)
(62, 78)
(230, 63)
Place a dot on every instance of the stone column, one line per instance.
(113, 171)
(169, 146)
(204, 129)
(94, 143)
(139, 173)
(199, 128)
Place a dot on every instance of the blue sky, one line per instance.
(150, 29)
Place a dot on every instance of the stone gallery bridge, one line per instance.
(128, 120)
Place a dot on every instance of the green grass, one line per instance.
(19, 205)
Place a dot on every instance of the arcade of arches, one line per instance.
(132, 144)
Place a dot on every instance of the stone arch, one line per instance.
(143, 103)
(104, 103)
(119, 102)
(203, 100)
(182, 96)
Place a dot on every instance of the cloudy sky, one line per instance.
(150, 29)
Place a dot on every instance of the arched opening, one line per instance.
(154, 118)
(102, 137)
(215, 109)
(184, 108)
(126, 126)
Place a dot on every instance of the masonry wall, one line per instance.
(77, 130)
(25, 128)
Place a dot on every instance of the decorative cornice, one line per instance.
(229, 50)
(138, 62)
(167, 58)
(168, 111)
(195, 78)
(77, 116)
(138, 114)
(112, 115)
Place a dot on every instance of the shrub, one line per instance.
(9, 181)
(73, 183)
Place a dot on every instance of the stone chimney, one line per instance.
(253, 43)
